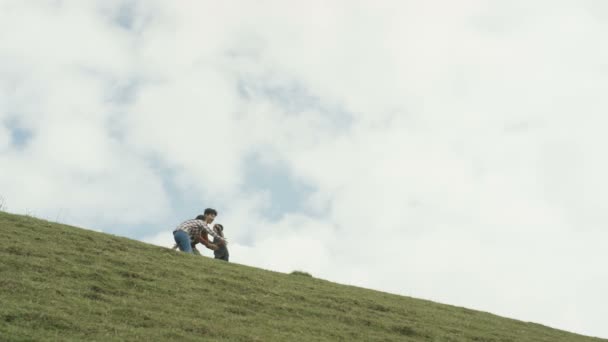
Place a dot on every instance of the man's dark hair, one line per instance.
(200, 217)
(210, 211)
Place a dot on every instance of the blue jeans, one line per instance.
(183, 241)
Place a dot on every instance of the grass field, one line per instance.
(60, 283)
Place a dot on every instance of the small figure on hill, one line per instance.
(221, 252)
(191, 232)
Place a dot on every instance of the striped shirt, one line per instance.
(195, 228)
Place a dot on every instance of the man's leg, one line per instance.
(183, 241)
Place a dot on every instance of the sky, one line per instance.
(451, 151)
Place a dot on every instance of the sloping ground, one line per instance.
(69, 284)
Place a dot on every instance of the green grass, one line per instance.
(68, 284)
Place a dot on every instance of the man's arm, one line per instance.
(211, 246)
(219, 243)
(212, 233)
(204, 240)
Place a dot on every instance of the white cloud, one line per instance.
(455, 151)
(164, 239)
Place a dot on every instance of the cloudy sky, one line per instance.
(452, 151)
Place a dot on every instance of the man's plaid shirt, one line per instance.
(194, 228)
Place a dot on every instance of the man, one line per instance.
(221, 252)
(191, 232)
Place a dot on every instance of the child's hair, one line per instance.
(220, 229)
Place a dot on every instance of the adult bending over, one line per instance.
(191, 232)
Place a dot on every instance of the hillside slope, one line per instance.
(64, 283)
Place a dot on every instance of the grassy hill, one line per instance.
(64, 283)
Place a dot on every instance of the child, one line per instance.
(222, 251)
